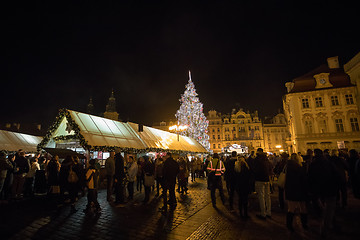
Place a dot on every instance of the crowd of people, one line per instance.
(318, 180)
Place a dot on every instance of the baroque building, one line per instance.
(276, 134)
(321, 109)
(239, 127)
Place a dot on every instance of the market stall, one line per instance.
(13, 141)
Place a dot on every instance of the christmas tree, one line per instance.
(191, 115)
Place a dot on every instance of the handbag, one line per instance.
(282, 178)
(149, 180)
(72, 178)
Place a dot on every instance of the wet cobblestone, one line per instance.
(193, 218)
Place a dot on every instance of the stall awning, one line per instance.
(97, 133)
(13, 141)
(62, 153)
(159, 139)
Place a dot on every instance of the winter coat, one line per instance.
(132, 171)
(5, 165)
(296, 182)
(324, 180)
(170, 170)
(23, 165)
(119, 167)
(242, 180)
(229, 174)
(262, 168)
(53, 172)
(110, 166)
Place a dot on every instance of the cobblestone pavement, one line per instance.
(193, 218)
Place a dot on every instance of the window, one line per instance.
(234, 136)
(218, 136)
(349, 99)
(305, 103)
(234, 129)
(322, 126)
(241, 129)
(318, 102)
(354, 124)
(257, 128)
(339, 125)
(213, 130)
(249, 128)
(218, 130)
(334, 101)
(308, 126)
(219, 146)
(213, 136)
(214, 146)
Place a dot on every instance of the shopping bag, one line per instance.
(282, 179)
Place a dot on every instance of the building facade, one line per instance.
(321, 110)
(276, 134)
(239, 127)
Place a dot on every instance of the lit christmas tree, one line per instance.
(191, 114)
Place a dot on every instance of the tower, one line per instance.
(111, 112)
(90, 107)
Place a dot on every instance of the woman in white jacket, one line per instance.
(132, 169)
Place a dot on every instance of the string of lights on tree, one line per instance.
(191, 114)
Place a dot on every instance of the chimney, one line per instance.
(333, 62)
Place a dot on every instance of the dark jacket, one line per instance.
(229, 174)
(262, 168)
(5, 165)
(296, 182)
(242, 180)
(149, 168)
(119, 167)
(324, 180)
(170, 170)
(23, 165)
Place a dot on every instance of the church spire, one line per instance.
(90, 107)
(111, 112)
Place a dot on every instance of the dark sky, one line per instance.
(240, 54)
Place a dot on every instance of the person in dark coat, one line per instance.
(295, 191)
(277, 170)
(230, 177)
(68, 166)
(9, 178)
(342, 169)
(242, 184)
(324, 182)
(22, 168)
(262, 171)
(119, 178)
(170, 171)
(149, 171)
(354, 172)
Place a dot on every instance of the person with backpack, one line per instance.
(92, 181)
(242, 185)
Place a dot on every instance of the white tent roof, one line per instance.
(156, 138)
(13, 141)
(99, 131)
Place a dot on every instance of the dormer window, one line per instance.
(322, 80)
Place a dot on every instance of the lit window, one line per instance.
(334, 101)
(318, 102)
(349, 99)
(354, 124)
(339, 125)
(305, 103)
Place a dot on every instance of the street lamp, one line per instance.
(178, 129)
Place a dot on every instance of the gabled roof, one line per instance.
(13, 141)
(338, 78)
(98, 133)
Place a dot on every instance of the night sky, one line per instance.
(240, 54)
